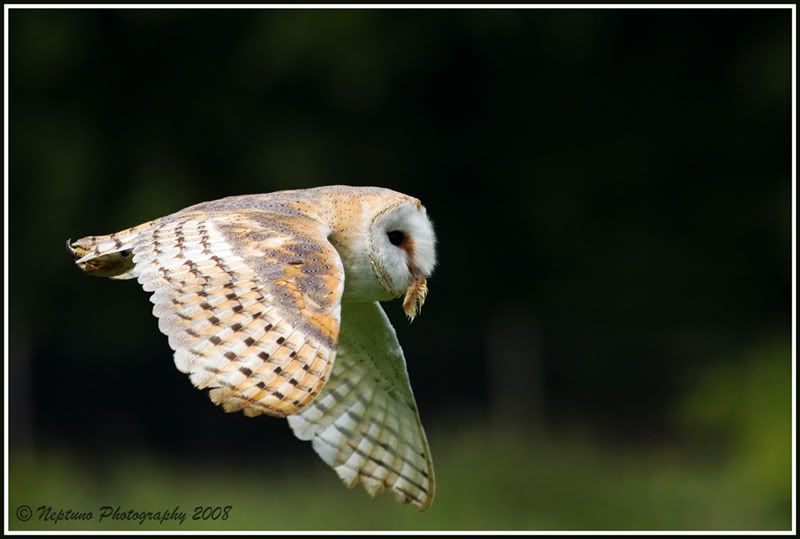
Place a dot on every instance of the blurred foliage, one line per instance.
(742, 414)
(617, 181)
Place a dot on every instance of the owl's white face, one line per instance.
(402, 247)
(387, 248)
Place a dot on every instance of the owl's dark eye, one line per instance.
(396, 237)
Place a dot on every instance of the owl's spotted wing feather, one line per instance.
(249, 301)
(365, 422)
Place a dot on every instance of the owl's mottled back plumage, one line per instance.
(251, 291)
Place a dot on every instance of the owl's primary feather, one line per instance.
(365, 423)
(249, 291)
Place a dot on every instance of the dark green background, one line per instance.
(606, 344)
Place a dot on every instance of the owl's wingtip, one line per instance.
(115, 264)
(75, 249)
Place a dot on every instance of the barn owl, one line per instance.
(271, 302)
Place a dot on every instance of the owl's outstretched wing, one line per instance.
(365, 422)
(250, 300)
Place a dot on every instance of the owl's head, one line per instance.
(387, 246)
(403, 251)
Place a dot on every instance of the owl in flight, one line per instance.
(271, 301)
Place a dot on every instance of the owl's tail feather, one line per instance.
(106, 256)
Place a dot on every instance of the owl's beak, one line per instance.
(416, 294)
